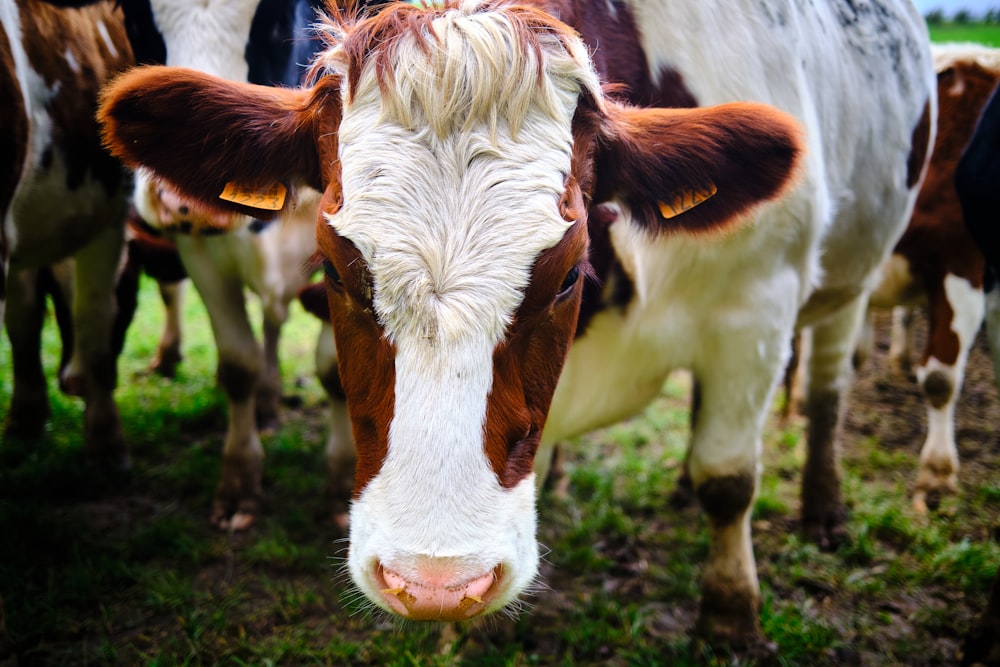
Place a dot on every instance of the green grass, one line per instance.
(121, 569)
(966, 32)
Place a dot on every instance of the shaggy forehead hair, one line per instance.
(455, 144)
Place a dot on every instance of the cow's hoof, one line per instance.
(19, 427)
(108, 453)
(827, 531)
(933, 484)
(165, 363)
(27, 416)
(72, 385)
(236, 522)
(234, 516)
(740, 636)
(268, 422)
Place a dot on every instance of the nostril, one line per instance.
(434, 598)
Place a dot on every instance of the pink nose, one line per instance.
(438, 596)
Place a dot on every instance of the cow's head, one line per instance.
(459, 149)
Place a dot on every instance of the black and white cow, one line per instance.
(61, 196)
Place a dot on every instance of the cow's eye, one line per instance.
(569, 281)
(331, 273)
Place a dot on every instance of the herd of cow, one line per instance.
(527, 215)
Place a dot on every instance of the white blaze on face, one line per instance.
(450, 216)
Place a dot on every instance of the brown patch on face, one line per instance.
(13, 143)
(365, 358)
(527, 365)
(76, 70)
(608, 285)
(919, 143)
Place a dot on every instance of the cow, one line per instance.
(264, 42)
(523, 233)
(61, 196)
(977, 177)
(937, 263)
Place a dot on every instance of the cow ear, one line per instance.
(695, 169)
(207, 136)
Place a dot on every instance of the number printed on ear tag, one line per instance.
(685, 201)
(270, 199)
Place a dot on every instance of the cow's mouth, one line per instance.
(434, 598)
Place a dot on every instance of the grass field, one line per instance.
(122, 569)
(969, 32)
(100, 568)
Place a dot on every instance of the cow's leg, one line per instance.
(955, 313)
(865, 344)
(830, 373)
(29, 404)
(738, 379)
(683, 494)
(237, 498)
(168, 351)
(57, 281)
(340, 453)
(901, 341)
(93, 320)
(268, 400)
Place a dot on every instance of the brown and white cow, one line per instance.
(977, 182)
(476, 172)
(937, 263)
(61, 195)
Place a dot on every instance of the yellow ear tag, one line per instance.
(686, 201)
(270, 199)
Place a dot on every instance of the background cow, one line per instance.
(936, 264)
(266, 42)
(475, 171)
(977, 182)
(61, 195)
